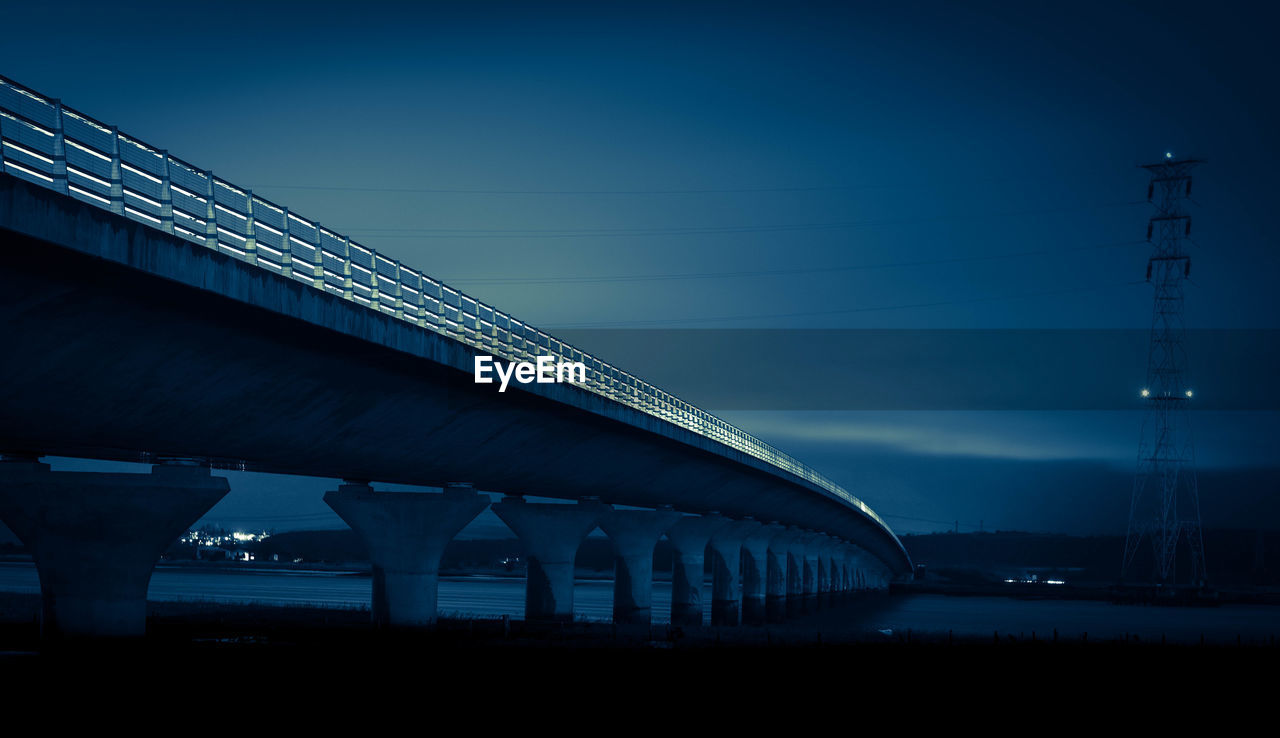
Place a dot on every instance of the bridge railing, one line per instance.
(47, 143)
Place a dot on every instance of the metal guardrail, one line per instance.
(47, 143)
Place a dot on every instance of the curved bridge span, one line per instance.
(155, 312)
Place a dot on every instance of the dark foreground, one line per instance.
(303, 664)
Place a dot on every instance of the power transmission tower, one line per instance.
(1165, 508)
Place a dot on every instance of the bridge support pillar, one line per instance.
(839, 580)
(406, 534)
(823, 580)
(851, 565)
(795, 572)
(851, 560)
(838, 589)
(550, 535)
(810, 573)
(755, 573)
(726, 565)
(689, 536)
(776, 576)
(96, 537)
(826, 571)
(634, 533)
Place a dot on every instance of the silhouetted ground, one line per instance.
(1236, 559)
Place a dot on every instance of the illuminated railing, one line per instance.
(54, 146)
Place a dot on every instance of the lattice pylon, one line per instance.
(1165, 506)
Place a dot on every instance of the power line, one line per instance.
(979, 527)
(948, 523)
(673, 191)
(846, 311)
(529, 233)
(632, 191)
(775, 272)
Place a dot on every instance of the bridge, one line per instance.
(153, 312)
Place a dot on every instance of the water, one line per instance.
(483, 596)
(491, 596)
(1073, 619)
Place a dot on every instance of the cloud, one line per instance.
(1223, 439)
(1019, 436)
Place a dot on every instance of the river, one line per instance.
(490, 596)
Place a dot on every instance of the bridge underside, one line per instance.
(110, 361)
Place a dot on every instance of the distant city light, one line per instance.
(1168, 154)
(1146, 393)
(211, 537)
(1188, 393)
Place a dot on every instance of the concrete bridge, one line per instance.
(154, 312)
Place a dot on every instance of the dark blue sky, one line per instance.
(544, 158)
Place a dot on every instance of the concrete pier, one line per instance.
(842, 569)
(689, 537)
(831, 573)
(856, 579)
(726, 565)
(550, 535)
(634, 534)
(824, 572)
(406, 534)
(850, 569)
(827, 570)
(795, 572)
(96, 537)
(836, 559)
(810, 582)
(776, 575)
(755, 573)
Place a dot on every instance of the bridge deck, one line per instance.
(121, 279)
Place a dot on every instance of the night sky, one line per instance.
(924, 165)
